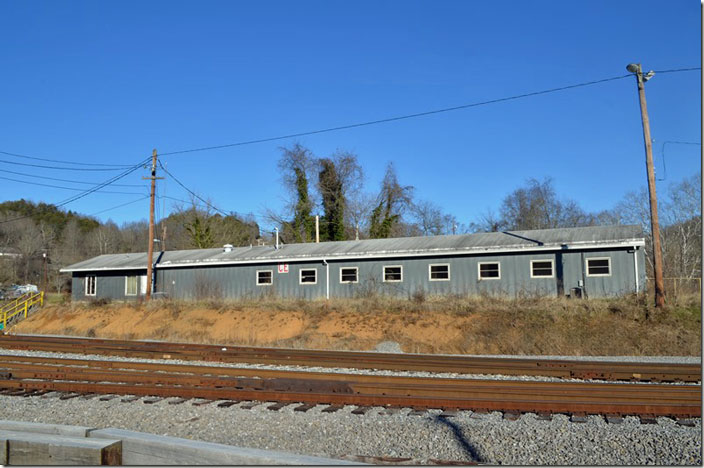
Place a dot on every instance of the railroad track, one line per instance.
(32, 374)
(601, 370)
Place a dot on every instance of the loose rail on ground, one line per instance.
(602, 370)
(228, 383)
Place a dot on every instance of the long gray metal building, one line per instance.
(596, 261)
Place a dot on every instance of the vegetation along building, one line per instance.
(595, 261)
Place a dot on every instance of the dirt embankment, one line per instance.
(626, 326)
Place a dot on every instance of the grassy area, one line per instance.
(461, 325)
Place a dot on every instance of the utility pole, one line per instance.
(150, 247)
(655, 225)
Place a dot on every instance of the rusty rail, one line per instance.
(227, 383)
(625, 371)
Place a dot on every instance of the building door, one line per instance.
(143, 285)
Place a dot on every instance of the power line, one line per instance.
(68, 180)
(120, 206)
(676, 70)
(107, 182)
(62, 187)
(240, 215)
(89, 191)
(662, 150)
(57, 168)
(192, 192)
(402, 117)
(62, 161)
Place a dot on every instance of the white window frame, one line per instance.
(271, 277)
(552, 268)
(356, 275)
(479, 271)
(430, 271)
(95, 285)
(136, 285)
(300, 276)
(586, 265)
(383, 270)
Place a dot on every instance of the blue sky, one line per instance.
(105, 82)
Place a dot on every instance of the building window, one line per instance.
(308, 276)
(264, 277)
(439, 272)
(91, 283)
(489, 270)
(349, 275)
(393, 274)
(541, 269)
(131, 285)
(599, 266)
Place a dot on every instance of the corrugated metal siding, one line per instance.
(239, 281)
(109, 285)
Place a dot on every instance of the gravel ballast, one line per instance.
(487, 438)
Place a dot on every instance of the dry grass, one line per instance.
(461, 325)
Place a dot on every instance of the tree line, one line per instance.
(333, 189)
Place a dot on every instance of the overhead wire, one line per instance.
(57, 168)
(89, 191)
(397, 118)
(120, 206)
(192, 192)
(64, 188)
(34, 176)
(63, 161)
(662, 151)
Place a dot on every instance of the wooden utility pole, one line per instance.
(655, 225)
(150, 246)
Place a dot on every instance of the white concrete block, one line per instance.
(147, 449)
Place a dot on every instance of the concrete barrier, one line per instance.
(48, 443)
(34, 448)
(58, 429)
(148, 449)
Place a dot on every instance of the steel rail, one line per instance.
(153, 371)
(403, 385)
(610, 370)
(128, 378)
(492, 403)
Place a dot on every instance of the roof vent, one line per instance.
(227, 248)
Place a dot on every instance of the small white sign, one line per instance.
(283, 267)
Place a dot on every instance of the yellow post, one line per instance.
(26, 304)
(41, 299)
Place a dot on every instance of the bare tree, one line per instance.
(296, 164)
(683, 228)
(391, 203)
(536, 206)
(338, 177)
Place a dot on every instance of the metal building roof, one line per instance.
(499, 242)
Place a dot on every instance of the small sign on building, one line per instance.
(283, 268)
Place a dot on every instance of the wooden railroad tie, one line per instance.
(227, 403)
(305, 407)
